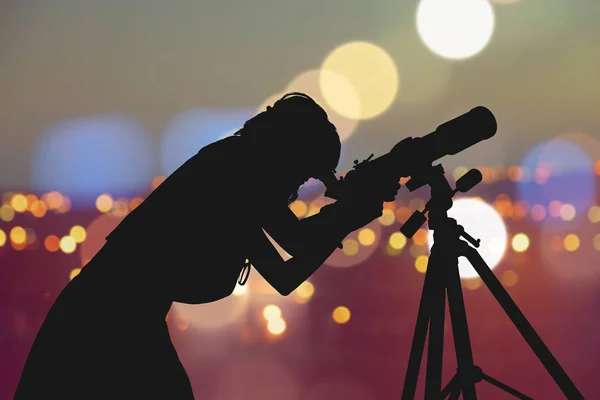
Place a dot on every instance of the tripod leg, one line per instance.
(529, 334)
(433, 380)
(450, 387)
(462, 342)
(418, 342)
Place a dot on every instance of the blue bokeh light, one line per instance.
(571, 180)
(86, 157)
(191, 130)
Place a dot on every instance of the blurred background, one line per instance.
(101, 100)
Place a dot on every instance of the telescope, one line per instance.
(414, 157)
(411, 156)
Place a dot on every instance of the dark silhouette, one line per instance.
(106, 336)
(442, 281)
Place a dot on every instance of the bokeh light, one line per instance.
(345, 120)
(7, 213)
(421, 263)
(570, 256)
(19, 203)
(570, 181)
(304, 292)
(509, 278)
(271, 312)
(341, 315)
(74, 272)
(77, 232)
(571, 242)
(354, 251)
(520, 242)
(481, 221)
(52, 243)
(194, 129)
(18, 235)
(276, 326)
(369, 69)
(455, 29)
(85, 157)
(366, 237)
(397, 240)
(104, 203)
(67, 244)
(2, 238)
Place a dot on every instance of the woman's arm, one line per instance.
(311, 241)
(291, 233)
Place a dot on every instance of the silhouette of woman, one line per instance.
(106, 336)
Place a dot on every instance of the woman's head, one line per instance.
(295, 140)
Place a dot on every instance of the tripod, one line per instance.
(442, 276)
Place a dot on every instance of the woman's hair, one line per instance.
(296, 120)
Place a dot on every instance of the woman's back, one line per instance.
(106, 336)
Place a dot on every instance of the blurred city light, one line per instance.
(85, 157)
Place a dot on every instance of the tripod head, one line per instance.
(441, 199)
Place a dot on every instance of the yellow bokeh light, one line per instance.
(7, 213)
(18, 235)
(594, 214)
(571, 242)
(305, 291)
(276, 326)
(341, 315)
(299, 208)
(388, 217)
(19, 203)
(67, 244)
(596, 242)
(104, 203)
(520, 242)
(421, 263)
(370, 71)
(350, 247)
(78, 233)
(2, 238)
(309, 82)
(567, 212)
(366, 237)
(271, 312)
(397, 240)
(74, 273)
(509, 278)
